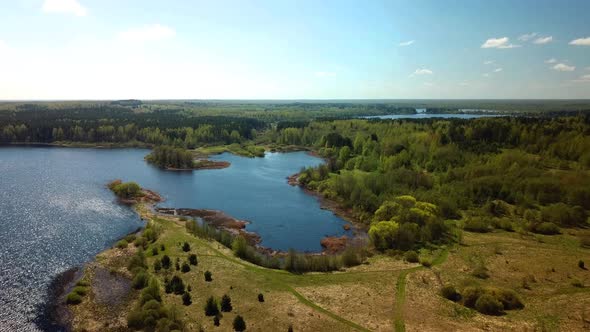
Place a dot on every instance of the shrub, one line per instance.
(290, 329)
(137, 261)
(176, 286)
(157, 265)
(426, 262)
(450, 293)
(546, 228)
(477, 224)
(411, 256)
(80, 290)
(154, 251)
(140, 280)
(126, 190)
(130, 238)
(185, 268)
(208, 276)
(211, 308)
(507, 297)
(140, 242)
(73, 298)
(151, 292)
(226, 304)
(581, 264)
(350, 257)
(186, 299)
(260, 297)
(487, 304)
(577, 283)
(162, 247)
(216, 320)
(83, 283)
(122, 244)
(239, 324)
(186, 247)
(192, 259)
(470, 296)
(166, 262)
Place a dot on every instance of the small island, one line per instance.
(178, 159)
(132, 193)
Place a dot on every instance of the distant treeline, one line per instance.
(37, 123)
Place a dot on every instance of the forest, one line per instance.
(407, 179)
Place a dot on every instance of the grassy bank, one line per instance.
(382, 295)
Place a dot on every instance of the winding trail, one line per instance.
(400, 295)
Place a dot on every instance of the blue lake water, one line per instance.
(56, 213)
(428, 116)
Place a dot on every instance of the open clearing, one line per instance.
(386, 294)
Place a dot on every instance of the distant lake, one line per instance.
(429, 116)
(56, 213)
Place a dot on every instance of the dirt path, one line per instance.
(400, 296)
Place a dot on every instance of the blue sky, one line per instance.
(148, 49)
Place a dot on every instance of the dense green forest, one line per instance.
(170, 157)
(511, 173)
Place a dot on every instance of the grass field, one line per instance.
(385, 294)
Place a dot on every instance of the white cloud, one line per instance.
(428, 84)
(488, 62)
(503, 42)
(543, 40)
(563, 67)
(486, 75)
(464, 84)
(552, 60)
(423, 71)
(527, 36)
(147, 33)
(497, 70)
(581, 42)
(325, 74)
(64, 7)
(583, 79)
(406, 43)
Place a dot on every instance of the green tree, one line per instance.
(226, 303)
(239, 324)
(211, 307)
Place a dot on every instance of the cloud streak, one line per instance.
(423, 71)
(543, 40)
(502, 43)
(406, 43)
(527, 36)
(581, 42)
(72, 7)
(563, 67)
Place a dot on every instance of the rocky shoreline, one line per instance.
(217, 219)
(203, 164)
(333, 244)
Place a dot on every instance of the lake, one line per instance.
(428, 116)
(56, 212)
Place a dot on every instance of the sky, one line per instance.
(303, 49)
